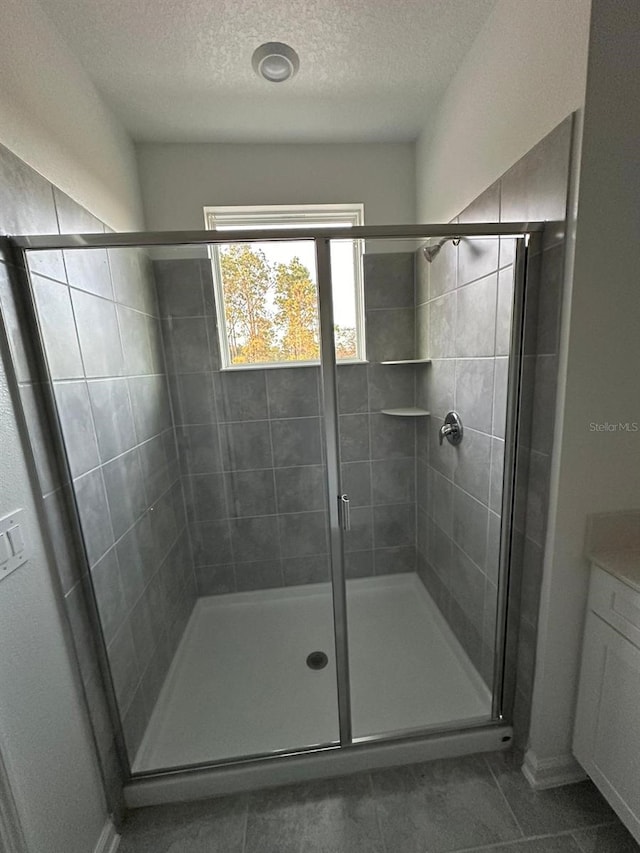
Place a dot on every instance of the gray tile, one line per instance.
(393, 481)
(88, 269)
(215, 580)
(569, 807)
(151, 408)
(442, 328)
(549, 300)
(137, 558)
(353, 393)
(195, 391)
(73, 218)
(74, 410)
(246, 446)
(493, 547)
(360, 536)
(497, 465)
(423, 325)
(113, 416)
(302, 570)
(390, 386)
(394, 525)
(470, 520)
(504, 310)
(532, 565)
(95, 519)
(443, 274)
(467, 589)
(251, 493)
(206, 498)
(155, 468)
(439, 551)
(293, 392)
(124, 666)
(500, 396)
(354, 438)
(440, 501)
(304, 533)
(135, 343)
(443, 805)
(241, 396)
(476, 318)
(356, 482)
(15, 324)
(296, 442)
(474, 392)
(390, 334)
(391, 437)
(614, 838)
(65, 545)
(83, 633)
(209, 826)
(265, 574)
(477, 258)
(105, 576)
(58, 330)
(535, 188)
(134, 722)
(388, 280)
(132, 279)
(179, 287)
(391, 561)
(187, 343)
(125, 491)
(443, 457)
(99, 335)
(256, 539)
(199, 450)
(301, 489)
(359, 564)
(320, 817)
(441, 387)
(474, 464)
(485, 207)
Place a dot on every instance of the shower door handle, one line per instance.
(345, 511)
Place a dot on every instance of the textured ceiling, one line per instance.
(180, 70)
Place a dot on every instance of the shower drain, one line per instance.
(317, 660)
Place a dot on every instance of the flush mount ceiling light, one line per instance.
(275, 62)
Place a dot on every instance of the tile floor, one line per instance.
(476, 803)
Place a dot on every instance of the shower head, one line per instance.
(430, 252)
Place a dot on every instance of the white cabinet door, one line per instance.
(607, 732)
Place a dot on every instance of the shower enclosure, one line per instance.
(289, 557)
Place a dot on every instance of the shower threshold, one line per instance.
(239, 684)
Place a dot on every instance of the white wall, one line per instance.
(594, 471)
(179, 180)
(44, 736)
(52, 117)
(525, 72)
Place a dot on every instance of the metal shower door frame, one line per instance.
(322, 238)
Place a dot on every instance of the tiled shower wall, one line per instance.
(460, 488)
(252, 449)
(99, 318)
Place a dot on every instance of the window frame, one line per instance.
(271, 217)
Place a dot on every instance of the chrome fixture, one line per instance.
(451, 429)
(275, 61)
(345, 511)
(430, 252)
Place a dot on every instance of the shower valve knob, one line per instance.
(451, 429)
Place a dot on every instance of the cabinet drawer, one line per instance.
(616, 603)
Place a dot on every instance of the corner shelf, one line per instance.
(409, 361)
(406, 412)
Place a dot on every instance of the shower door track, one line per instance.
(385, 749)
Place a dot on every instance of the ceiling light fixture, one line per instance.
(275, 62)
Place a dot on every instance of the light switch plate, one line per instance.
(13, 551)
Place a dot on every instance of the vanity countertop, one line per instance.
(624, 565)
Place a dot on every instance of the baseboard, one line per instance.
(551, 772)
(109, 839)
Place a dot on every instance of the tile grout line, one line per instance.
(504, 796)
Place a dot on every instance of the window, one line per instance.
(266, 292)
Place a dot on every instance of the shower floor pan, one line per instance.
(240, 685)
